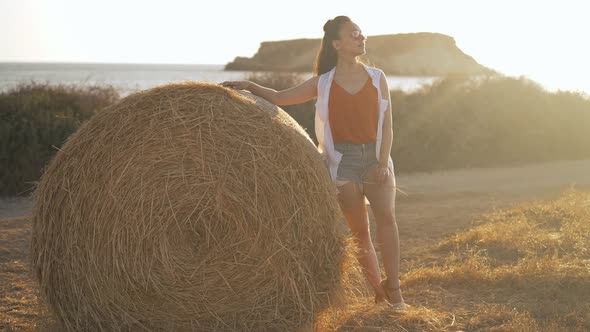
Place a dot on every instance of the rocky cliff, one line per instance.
(412, 54)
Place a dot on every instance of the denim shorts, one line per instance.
(356, 161)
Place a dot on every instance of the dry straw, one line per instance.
(189, 207)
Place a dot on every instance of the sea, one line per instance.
(129, 78)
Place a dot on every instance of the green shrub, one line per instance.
(35, 120)
(488, 121)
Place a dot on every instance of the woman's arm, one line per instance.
(387, 130)
(294, 95)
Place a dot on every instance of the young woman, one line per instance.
(353, 126)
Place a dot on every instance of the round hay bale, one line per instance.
(188, 207)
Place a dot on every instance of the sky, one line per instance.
(546, 41)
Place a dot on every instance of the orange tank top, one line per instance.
(353, 118)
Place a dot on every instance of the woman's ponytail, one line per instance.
(327, 57)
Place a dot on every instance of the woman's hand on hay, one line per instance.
(238, 85)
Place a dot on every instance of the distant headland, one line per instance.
(409, 54)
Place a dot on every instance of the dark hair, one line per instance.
(327, 57)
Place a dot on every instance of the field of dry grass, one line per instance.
(504, 249)
(523, 268)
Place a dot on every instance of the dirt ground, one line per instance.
(429, 207)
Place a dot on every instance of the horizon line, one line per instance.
(108, 63)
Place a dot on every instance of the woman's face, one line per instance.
(352, 40)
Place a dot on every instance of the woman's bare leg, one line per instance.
(382, 200)
(352, 203)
